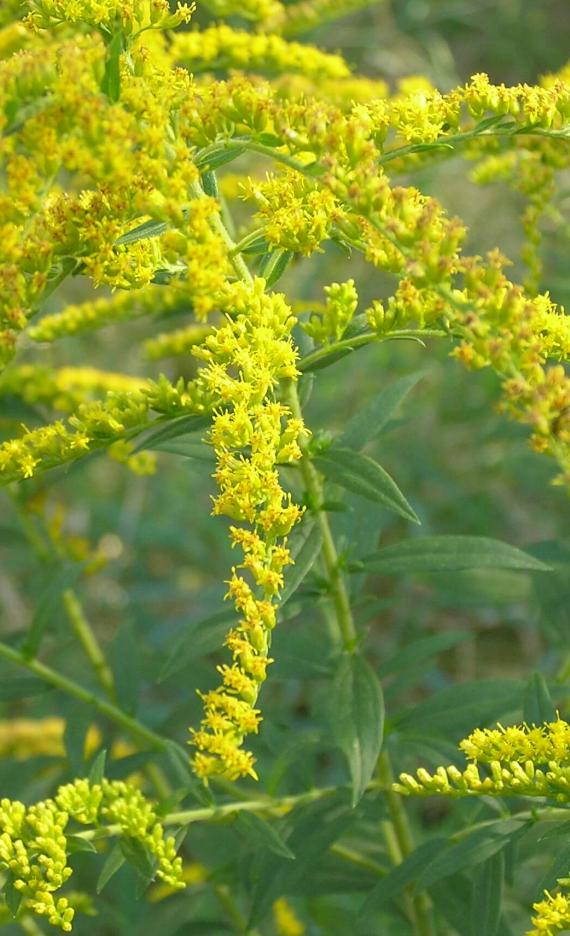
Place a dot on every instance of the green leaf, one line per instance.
(114, 860)
(558, 868)
(487, 895)
(77, 844)
(371, 419)
(462, 706)
(313, 830)
(305, 556)
(138, 856)
(173, 429)
(450, 554)
(97, 771)
(421, 650)
(143, 231)
(403, 875)
(362, 475)
(197, 638)
(274, 264)
(111, 84)
(49, 610)
(472, 848)
(210, 184)
(538, 705)
(357, 716)
(324, 357)
(452, 898)
(262, 834)
(12, 896)
(78, 718)
(218, 156)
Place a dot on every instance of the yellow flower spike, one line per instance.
(255, 346)
(221, 47)
(134, 15)
(521, 760)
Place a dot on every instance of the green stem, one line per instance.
(359, 341)
(86, 637)
(397, 832)
(240, 266)
(74, 689)
(314, 489)
(401, 844)
(229, 904)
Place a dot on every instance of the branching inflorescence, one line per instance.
(112, 133)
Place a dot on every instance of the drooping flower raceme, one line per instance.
(252, 433)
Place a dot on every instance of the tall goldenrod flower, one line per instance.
(252, 434)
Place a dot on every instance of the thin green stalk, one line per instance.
(359, 860)
(74, 689)
(86, 637)
(397, 833)
(30, 927)
(237, 261)
(420, 903)
(229, 904)
(359, 341)
(314, 489)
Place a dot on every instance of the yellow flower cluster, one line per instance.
(338, 312)
(96, 425)
(552, 915)
(34, 849)
(252, 433)
(221, 47)
(124, 166)
(178, 342)
(134, 15)
(64, 389)
(521, 760)
(89, 316)
(287, 922)
(22, 738)
(295, 213)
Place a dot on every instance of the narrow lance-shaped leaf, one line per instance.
(262, 834)
(451, 554)
(305, 557)
(486, 897)
(371, 419)
(471, 849)
(538, 705)
(357, 717)
(361, 475)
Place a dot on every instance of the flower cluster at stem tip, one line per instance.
(34, 848)
(518, 760)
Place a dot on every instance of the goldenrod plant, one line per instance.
(211, 189)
